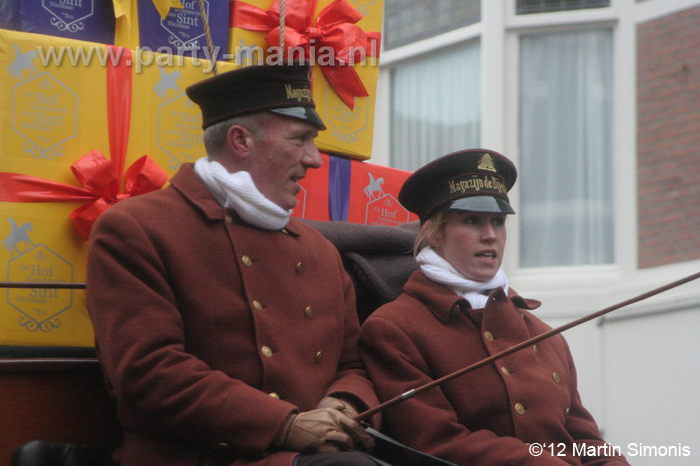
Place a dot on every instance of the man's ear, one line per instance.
(239, 140)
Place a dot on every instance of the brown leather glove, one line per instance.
(319, 429)
(340, 404)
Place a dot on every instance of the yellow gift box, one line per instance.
(57, 120)
(324, 33)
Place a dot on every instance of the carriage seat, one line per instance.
(71, 409)
(44, 453)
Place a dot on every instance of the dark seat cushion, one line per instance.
(379, 259)
(43, 453)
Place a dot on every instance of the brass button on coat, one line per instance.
(229, 219)
(319, 356)
(556, 377)
(266, 351)
(246, 260)
(285, 231)
(488, 335)
(308, 312)
(505, 370)
(520, 409)
(258, 305)
(299, 269)
(274, 395)
(536, 350)
(568, 410)
(455, 310)
(223, 446)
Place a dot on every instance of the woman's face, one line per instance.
(473, 242)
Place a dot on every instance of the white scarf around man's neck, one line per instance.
(437, 269)
(238, 192)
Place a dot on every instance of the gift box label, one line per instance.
(52, 109)
(181, 32)
(91, 20)
(344, 125)
(39, 308)
(179, 121)
(386, 211)
(373, 195)
(44, 110)
(33, 251)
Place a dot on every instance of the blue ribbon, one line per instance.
(339, 187)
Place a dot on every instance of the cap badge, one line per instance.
(486, 163)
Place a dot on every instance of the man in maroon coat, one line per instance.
(227, 330)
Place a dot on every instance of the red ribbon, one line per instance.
(100, 178)
(334, 27)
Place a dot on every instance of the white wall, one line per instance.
(638, 367)
(652, 373)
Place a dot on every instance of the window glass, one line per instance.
(525, 7)
(566, 159)
(435, 106)
(407, 21)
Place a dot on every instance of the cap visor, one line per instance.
(482, 204)
(302, 113)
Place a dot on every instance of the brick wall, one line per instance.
(668, 99)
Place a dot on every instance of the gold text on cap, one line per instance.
(475, 183)
(298, 94)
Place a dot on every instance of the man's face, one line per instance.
(281, 153)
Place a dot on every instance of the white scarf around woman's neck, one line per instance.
(238, 192)
(439, 270)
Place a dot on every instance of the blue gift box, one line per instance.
(181, 32)
(9, 14)
(88, 20)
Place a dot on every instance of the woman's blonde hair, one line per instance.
(429, 228)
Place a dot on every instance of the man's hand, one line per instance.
(324, 429)
(341, 405)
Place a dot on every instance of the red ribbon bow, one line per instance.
(100, 178)
(334, 27)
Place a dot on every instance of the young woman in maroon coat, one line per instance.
(457, 309)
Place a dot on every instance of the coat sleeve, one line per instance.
(583, 428)
(427, 422)
(160, 388)
(352, 382)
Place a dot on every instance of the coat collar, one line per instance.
(188, 184)
(444, 303)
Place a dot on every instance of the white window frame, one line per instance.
(564, 281)
(573, 289)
